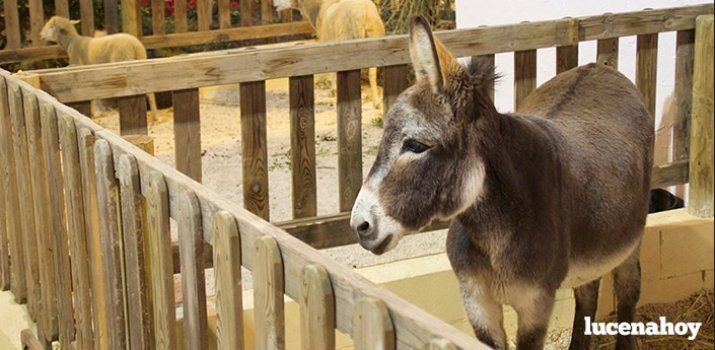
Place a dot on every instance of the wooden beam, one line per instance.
(683, 93)
(187, 132)
(701, 131)
(607, 52)
(349, 138)
(302, 125)
(524, 75)
(646, 69)
(227, 269)
(252, 65)
(255, 148)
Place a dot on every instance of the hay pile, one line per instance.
(697, 308)
(398, 13)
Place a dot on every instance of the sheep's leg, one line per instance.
(152, 105)
(627, 284)
(586, 302)
(484, 312)
(376, 101)
(533, 308)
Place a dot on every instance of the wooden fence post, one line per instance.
(91, 215)
(349, 138)
(160, 262)
(683, 92)
(10, 200)
(180, 19)
(77, 231)
(12, 24)
(227, 267)
(524, 75)
(372, 326)
(646, 69)
(29, 238)
(268, 295)
(86, 23)
(700, 201)
(132, 115)
(607, 52)
(111, 243)
(187, 132)
(134, 228)
(302, 147)
(317, 310)
(224, 13)
(58, 234)
(193, 283)
(393, 83)
(157, 17)
(131, 17)
(255, 148)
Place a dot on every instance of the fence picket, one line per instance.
(132, 115)
(646, 68)
(607, 52)
(268, 295)
(372, 327)
(317, 310)
(187, 132)
(349, 138)
(227, 268)
(524, 75)
(255, 149)
(302, 126)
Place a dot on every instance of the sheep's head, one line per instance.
(58, 27)
(281, 5)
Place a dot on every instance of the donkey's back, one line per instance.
(605, 138)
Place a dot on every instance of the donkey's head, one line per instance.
(428, 164)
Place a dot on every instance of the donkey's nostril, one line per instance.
(363, 228)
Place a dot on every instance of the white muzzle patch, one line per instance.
(375, 230)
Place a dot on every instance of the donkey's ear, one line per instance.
(431, 60)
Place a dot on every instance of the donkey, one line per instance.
(335, 20)
(554, 195)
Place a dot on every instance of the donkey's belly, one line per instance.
(584, 271)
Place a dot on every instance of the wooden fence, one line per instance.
(87, 246)
(117, 200)
(299, 62)
(256, 20)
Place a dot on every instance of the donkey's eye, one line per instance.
(414, 146)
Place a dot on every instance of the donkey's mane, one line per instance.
(482, 71)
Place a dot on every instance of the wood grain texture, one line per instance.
(92, 230)
(304, 59)
(227, 269)
(254, 147)
(58, 237)
(47, 323)
(140, 319)
(157, 17)
(10, 201)
(245, 13)
(224, 13)
(5, 270)
(24, 192)
(204, 15)
(86, 10)
(665, 175)
(180, 20)
(193, 283)
(349, 138)
(143, 142)
(159, 262)
(132, 115)
(132, 17)
(62, 8)
(266, 11)
(394, 82)
(683, 92)
(111, 243)
(37, 20)
(607, 52)
(317, 310)
(372, 327)
(187, 132)
(111, 16)
(524, 75)
(268, 287)
(700, 197)
(12, 24)
(646, 69)
(566, 58)
(302, 146)
(73, 197)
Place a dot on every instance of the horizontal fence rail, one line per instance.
(132, 18)
(250, 64)
(115, 174)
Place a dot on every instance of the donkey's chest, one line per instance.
(582, 271)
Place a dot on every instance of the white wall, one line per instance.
(473, 13)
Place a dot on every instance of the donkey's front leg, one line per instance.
(484, 312)
(533, 307)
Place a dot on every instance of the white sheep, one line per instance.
(83, 50)
(341, 20)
